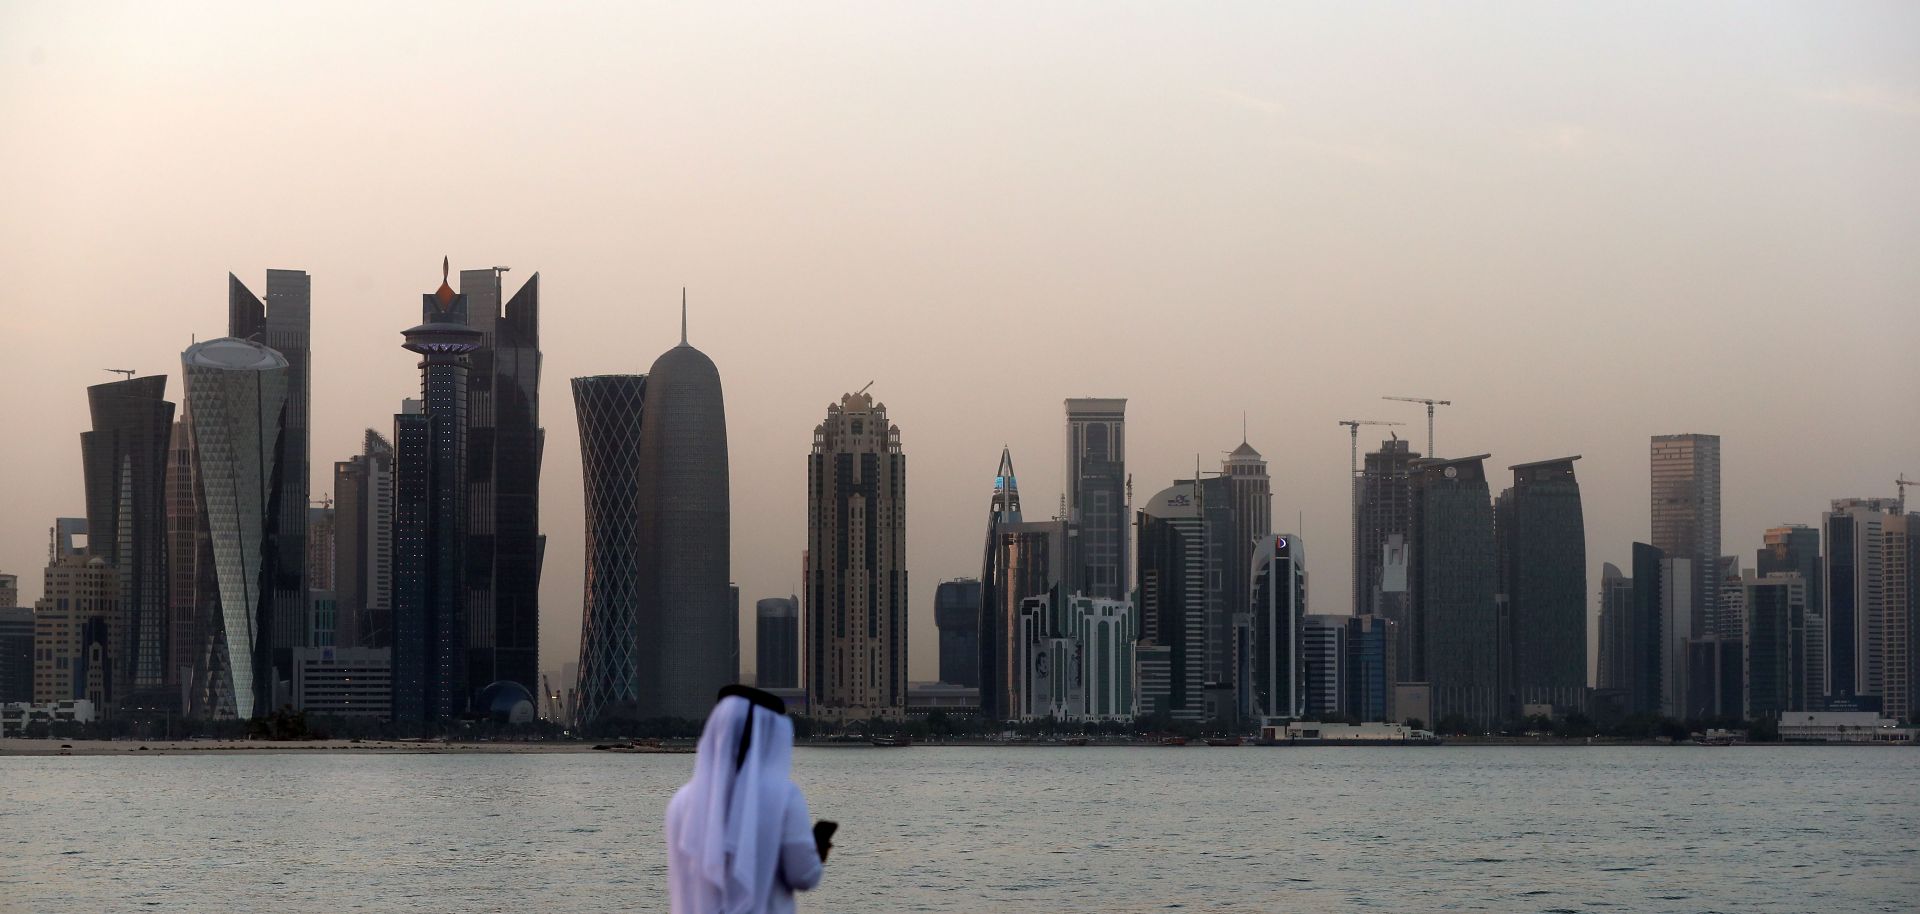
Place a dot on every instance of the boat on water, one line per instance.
(1223, 741)
(1173, 741)
(892, 742)
(1075, 741)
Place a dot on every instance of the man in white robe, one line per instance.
(739, 838)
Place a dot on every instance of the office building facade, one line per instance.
(1685, 471)
(16, 651)
(1096, 492)
(1543, 546)
(343, 682)
(1775, 641)
(1613, 670)
(1278, 585)
(505, 444)
(283, 323)
(74, 622)
(1172, 596)
(363, 544)
(1382, 510)
(1854, 583)
(1323, 650)
(856, 614)
(1454, 577)
(611, 411)
(956, 613)
(777, 642)
(124, 458)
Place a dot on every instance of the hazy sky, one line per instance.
(1582, 225)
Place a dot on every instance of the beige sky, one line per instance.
(1584, 225)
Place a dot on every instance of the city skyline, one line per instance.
(1596, 262)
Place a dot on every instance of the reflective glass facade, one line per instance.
(610, 412)
(1454, 576)
(125, 463)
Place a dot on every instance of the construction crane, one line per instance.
(127, 372)
(1903, 482)
(1431, 403)
(1353, 425)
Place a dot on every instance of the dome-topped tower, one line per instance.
(689, 627)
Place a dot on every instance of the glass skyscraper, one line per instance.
(1454, 577)
(610, 408)
(283, 323)
(237, 399)
(777, 642)
(125, 463)
(956, 612)
(1544, 548)
(1173, 593)
(1096, 492)
(1685, 472)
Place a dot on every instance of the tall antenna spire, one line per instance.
(683, 315)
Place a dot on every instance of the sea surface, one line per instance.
(1738, 829)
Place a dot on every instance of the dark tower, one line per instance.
(1453, 578)
(283, 324)
(689, 628)
(1544, 546)
(431, 684)
(125, 461)
(994, 629)
(609, 407)
(956, 611)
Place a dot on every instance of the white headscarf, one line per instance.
(727, 822)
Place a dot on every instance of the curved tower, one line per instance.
(688, 625)
(236, 402)
(610, 410)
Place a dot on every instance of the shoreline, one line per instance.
(38, 748)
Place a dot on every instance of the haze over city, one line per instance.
(1580, 229)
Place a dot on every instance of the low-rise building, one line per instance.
(16, 716)
(343, 682)
(1280, 730)
(1842, 727)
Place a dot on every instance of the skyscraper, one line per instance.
(192, 586)
(1645, 671)
(125, 461)
(283, 323)
(1544, 544)
(237, 400)
(504, 447)
(16, 651)
(1022, 559)
(1323, 640)
(1096, 492)
(1383, 509)
(777, 642)
(1775, 643)
(688, 621)
(1855, 588)
(1172, 578)
(1454, 576)
(363, 545)
(1685, 472)
(1900, 616)
(611, 410)
(1614, 670)
(1279, 586)
(1251, 493)
(1795, 549)
(432, 629)
(956, 611)
(857, 556)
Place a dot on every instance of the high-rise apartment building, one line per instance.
(777, 642)
(956, 612)
(611, 412)
(1854, 581)
(1454, 577)
(125, 463)
(1685, 472)
(237, 400)
(1096, 492)
(432, 628)
(504, 447)
(1172, 577)
(688, 616)
(363, 545)
(1382, 510)
(1900, 616)
(283, 323)
(1543, 545)
(856, 564)
(1278, 584)
(74, 622)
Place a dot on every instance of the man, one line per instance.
(738, 840)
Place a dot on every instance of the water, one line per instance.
(1027, 829)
